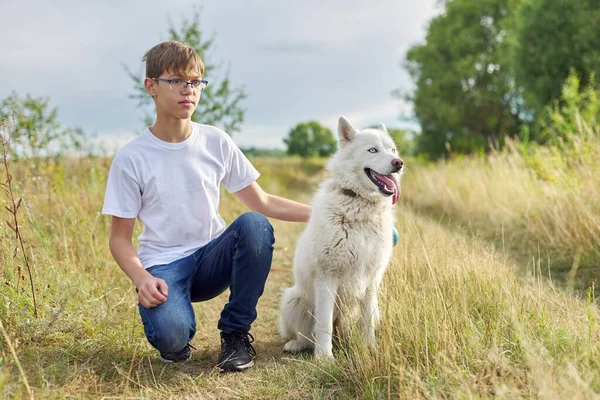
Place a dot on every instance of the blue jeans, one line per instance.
(239, 259)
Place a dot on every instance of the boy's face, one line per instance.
(174, 100)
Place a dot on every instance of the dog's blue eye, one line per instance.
(373, 150)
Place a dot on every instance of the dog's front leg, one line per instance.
(370, 314)
(325, 297)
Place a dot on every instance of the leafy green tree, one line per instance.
(35, 130)
(551, 38)
(574, 114)
(465, 96)
(310, 139)
(220, 103)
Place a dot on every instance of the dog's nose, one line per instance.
(397, 163)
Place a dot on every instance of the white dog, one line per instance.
(343, 252)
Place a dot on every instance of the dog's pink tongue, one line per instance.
(392, 183)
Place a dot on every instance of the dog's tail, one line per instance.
(295, 316)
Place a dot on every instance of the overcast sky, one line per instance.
(297, 60)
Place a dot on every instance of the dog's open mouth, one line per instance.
(387, 184)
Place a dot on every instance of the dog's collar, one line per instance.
(349, 192)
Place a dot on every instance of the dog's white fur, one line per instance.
(342, 254)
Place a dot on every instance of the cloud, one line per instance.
(263, 136)
(298, 60)
(386, 112)
(294, 48)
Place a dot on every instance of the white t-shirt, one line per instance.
(173, 190)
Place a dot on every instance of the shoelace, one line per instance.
(245, 337)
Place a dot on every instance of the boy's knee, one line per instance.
(175, 338)
(256, 237)
(256, 227)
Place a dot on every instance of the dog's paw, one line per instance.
(293, 346)
(322, 353)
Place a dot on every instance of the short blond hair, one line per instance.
(172, 56)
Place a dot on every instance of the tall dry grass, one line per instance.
(544, 202)
(457, 319)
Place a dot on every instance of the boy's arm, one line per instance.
(277, 207)
(151, 291)
(255, 198)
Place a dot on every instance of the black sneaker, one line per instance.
(237, 354)
(182, 355)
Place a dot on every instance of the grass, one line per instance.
(458, 320)
(542, 204)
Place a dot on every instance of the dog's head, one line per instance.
(367, 161)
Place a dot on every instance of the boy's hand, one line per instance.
(152, 291)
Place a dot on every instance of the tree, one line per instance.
(465, 94)
(220, 103)
(310, 139)
(551, 38)
(35, 131)
(575, 114)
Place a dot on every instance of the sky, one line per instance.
(298, 61)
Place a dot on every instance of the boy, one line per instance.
(169, 179)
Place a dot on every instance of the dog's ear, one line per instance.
(382, 127)
(346, 131)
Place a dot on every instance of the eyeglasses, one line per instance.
(178, 84)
